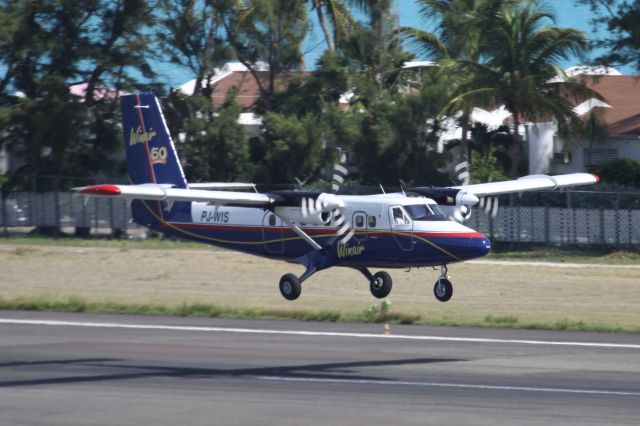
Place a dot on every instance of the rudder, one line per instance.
(151, 154)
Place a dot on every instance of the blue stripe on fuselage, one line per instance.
(372, 248)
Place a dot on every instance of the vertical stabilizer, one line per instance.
(151, 154)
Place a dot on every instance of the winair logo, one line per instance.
(214, 216)
(346, 251)
(137, 136)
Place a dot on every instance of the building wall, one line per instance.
(625, 147)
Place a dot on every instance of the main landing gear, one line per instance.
(380, 284)
(443, 289)
(290, 287)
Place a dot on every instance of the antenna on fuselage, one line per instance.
(382, 189)
(402, 187)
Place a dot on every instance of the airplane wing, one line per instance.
(165, 193)
(530, 183)
(221, 185)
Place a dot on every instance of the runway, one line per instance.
(80, 369)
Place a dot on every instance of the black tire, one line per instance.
(443, 290)
(380, 285)
(290, 287)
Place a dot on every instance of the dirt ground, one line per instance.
(531, 293)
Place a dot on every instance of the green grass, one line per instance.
(372, 315)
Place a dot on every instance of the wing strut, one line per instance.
(303, 235)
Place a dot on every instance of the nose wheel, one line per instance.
(443, 289)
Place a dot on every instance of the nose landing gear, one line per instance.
(443, 289)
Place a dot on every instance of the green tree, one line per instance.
(51, 46)
(374, 55)
(399, 133)
(338, 14)
(622, 35)
(519, 70)
(293, 147)
(212, 143)
(191, 33)
(461, 26)
(623, 171)
(117, 44)
(269, 33)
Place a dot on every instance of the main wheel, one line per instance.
(290, 287)
(380, 285)
(443, 290)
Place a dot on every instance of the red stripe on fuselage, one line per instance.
(449, 234)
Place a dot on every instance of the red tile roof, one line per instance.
(247, 88)
(622, 92)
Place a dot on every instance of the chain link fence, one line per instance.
(578, 218)
(21, 212)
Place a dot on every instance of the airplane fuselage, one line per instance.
(379, 240)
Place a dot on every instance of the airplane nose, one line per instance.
(479, 247)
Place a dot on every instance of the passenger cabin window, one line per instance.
(425, 212)
(359, 221)
(399, 218)
(272, 220)
(372, 221)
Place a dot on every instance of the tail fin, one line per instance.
(151, 155)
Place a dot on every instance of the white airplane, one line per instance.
(317, 230)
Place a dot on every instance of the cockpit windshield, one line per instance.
(425, 212)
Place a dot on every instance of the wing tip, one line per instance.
(596, 177)
(106, 190)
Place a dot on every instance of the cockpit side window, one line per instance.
(398, 217)
(425, 212)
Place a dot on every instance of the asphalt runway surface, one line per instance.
(80, 369)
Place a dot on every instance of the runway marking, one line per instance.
(450, 385)
(549, 264)
(317, 333)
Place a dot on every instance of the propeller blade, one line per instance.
(462, 171)
(487, 204)
(494, 210)
(340, 172)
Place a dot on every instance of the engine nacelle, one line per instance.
(312, 217)
(447, 196)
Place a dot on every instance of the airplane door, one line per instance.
(359, 224)
(401, 226)
(272, 233)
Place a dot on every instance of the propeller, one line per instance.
(464, 201)
(462, 172)
(490, 205)
(329, 206)
(340, 172)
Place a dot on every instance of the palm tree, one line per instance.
(519, 70)
(461, 26)
(338, 14)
